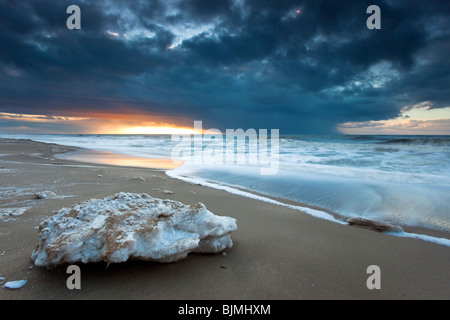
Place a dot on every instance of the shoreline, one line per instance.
(115, 159)
(277, 254)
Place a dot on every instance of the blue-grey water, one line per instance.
(400, 179)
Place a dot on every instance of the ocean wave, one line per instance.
(363, 138)
(419, 141)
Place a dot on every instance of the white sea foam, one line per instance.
(424, 237)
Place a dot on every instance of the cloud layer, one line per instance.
(301, 66)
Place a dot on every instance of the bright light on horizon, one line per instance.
(96, 123)
(158, 130)
(416, 120)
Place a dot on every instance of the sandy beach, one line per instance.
(278, 253)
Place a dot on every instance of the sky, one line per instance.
(303, 67)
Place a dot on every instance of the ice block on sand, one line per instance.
(130, 226)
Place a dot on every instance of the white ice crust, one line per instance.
(15, 284)
(130, 226)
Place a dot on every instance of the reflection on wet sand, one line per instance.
(103, 157)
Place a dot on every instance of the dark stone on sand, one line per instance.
(375, 225)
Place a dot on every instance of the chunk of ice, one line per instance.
(131, 226)
(15, 284)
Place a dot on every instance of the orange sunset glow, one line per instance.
(107, 123)
(158, 130)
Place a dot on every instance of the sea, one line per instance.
(403, 180)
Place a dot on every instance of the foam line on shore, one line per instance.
(312, 212)
(315, 213)
(424, 237)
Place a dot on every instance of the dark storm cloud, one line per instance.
(206, 9)
(252, 63)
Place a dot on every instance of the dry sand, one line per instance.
(278, 253)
